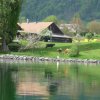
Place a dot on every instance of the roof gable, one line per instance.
(34, 27)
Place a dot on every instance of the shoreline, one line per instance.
(24, 58)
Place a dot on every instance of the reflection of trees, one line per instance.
(75, 69)
(80, 82)
(7, 88)
(53, 88)
(84, 82)
(53, 84)
(48, 73)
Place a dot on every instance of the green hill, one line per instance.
(63, 9)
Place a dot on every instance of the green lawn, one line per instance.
(89, 50)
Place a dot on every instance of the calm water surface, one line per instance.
(43, 81)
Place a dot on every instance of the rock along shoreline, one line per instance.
(13, 58)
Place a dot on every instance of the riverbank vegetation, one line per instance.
(89, 50)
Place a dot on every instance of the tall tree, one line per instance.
(77, 24)
(9, 12)
(94, 27)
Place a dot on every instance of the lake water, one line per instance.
(45, 81)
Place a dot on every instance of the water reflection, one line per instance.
(31, 85)
(53, 88)
(52, 83)
(48, 73)
(7, 86)
(49, 82)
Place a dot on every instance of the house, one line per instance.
(70, 27)
(47, 30)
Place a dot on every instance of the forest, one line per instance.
(63, 9)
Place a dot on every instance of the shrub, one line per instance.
(89, 36)
(74, 51)
(14, 46)
(23, 42)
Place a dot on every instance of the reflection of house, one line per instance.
(33, 28)
(31, 83)
(31, 88)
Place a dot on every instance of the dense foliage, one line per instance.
(14, 46)
(9, 14)
(74, 51)
(63, 9)
(89, 36)
(51, 18)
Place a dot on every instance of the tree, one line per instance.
(94, 27)
(9, 13)
(63, 9)
(22, 19)
(89, 36)
(51, 18)
(77, 24)
(74, 51)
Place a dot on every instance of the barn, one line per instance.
(49, 31)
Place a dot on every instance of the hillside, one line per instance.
(63, 9)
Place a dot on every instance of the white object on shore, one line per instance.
(58, 57)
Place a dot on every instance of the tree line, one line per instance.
(64, 9)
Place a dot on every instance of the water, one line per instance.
(43, 81)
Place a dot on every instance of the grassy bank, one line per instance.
(89, 50)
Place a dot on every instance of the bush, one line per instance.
(89, 36)
(74, 52)
(14, 46)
